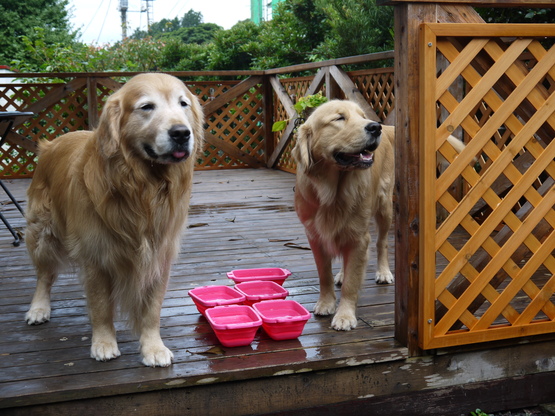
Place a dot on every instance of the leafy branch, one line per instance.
(302, 107)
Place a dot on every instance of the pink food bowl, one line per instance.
(282, 319)
(234, 325)
(260, 290)
(206, 297)
(275, 274)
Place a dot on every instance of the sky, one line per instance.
(99, 21)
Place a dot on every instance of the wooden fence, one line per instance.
(497, 277)
(239, 114)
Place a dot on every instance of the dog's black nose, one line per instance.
(374, 128)
(179, 133)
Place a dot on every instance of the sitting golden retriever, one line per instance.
(345, 177)
(114, 202)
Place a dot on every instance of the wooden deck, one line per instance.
(240, 219)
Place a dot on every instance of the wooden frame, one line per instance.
(409, 15)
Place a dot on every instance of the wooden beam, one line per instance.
(92, 101)
(289, 130)
(268, 118)
(408, 18)
(352, 92)
(53, 97)
(230, 94)
(232, 151)
(22, 141)
(282, 96)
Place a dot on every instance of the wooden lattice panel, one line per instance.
(377, 86)
(487, 269)
(238, 122)
(296, 88)
(67, 114)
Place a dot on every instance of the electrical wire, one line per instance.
(104, 21)
(93, 17)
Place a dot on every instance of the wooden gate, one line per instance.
(487, 269)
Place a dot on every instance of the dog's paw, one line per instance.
(338, 279)
(104, 350)
(157, 356)
(37, 315)
(344, 322)
(325, 307)
(384, 278)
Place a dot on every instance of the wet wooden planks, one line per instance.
(238, 219)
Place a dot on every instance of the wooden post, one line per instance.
(92, 101)
(268, 118)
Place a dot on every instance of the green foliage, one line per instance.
(516, 15)
(478, 412)
(229, 48)
(300, 31)
(302, 107)
(200, 34)
(295, 31)
(180, 56)
(357, 28)
(308, 102)
(20, 18)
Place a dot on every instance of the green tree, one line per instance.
(358, 27)
(199, 34)
(230, 48)
(20, 18)
(297, 28)
(516, 15)
(180, 56)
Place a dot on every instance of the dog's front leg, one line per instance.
(326, 301)
(98, 288)
(384, 218)
(153, 350)
(355, 259)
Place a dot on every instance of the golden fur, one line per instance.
(114, 202)
(345, 177)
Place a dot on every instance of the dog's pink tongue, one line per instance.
(179, 155)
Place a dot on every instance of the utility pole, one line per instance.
(123, 5)
(149, 13)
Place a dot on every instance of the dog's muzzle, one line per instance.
(179, 146)
(363, 158)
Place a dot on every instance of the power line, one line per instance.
(93, 17)
(104, 21)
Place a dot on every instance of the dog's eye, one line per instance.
(183, 103)
(340, 117)
(147, 107)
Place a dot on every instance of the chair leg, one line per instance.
(14, 233)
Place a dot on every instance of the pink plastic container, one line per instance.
(260, 290)
(234, 325)
(282, 319)
(206, 297)
(274, 274)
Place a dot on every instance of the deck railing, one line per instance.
(239, 113)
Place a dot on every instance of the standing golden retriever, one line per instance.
(114, 202)
(345, 176)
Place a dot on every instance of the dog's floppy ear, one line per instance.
(108, 130)
(301, 151)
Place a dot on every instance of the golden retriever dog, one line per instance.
(345, 177)
(114, 202)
